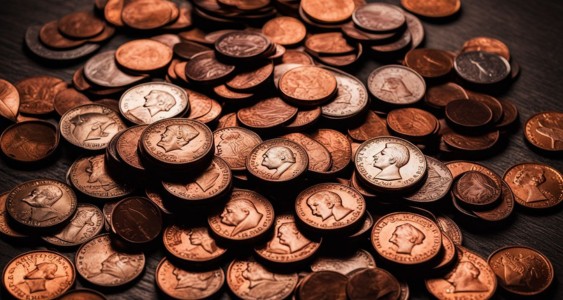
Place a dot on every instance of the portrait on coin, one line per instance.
(98, 175)
(465, 278)
(93, 126)
(207, 179)
(278, 158)
(200, 237)
(175, 137)
(529, 180)
(156, 101)
(242, 214)
(190, 280)
(390, 160)
(115, 268)
(80, 223)
(36, 279)
(289, 239)
(233, 148)
(406, 236)
(262, 283)
(395, 90)
(326, 204)
(40, 203)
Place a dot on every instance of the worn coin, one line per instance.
(544, 130)
(476, 190)
(127, 145)
(535, 185)
(277, 161)
(412, 123)
(308, 85)
(204, 68)
(432, 9)
(332, 11)
(68, 99)
(267, 114)
(468, 114)
(373, 283)
(253, 78)
(351, 97)
(191, 244)
(50, 36)
(344, 264)
(80, 25)
(148, 14)
(136, 220)
(396, 85)
(86, 223)
(320, 283)
(233, 145)
(319, 157)
(436, 185)
(29, 141)
(102, 70)
(37, 94)
(242, 45)
(502, 210)
(487, 44)
(379, 17)
(143, 55)
(296, 57)
(471, 143)
(5, 226)
(430, 63)
(331, 43)
(35, 45)
(481, 67)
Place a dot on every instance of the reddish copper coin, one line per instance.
(510, 114)
(471, 142)
(204, 68)
(148, 14)
(143, 55)
(353, 32)
(86, 223)
(179, 283)
(502, 210)
(228, 94)
(468, 114)
(50, 36)
(37, 94)
(535, 185)
(284, 30)
(459, 167)
(68, 99)
(430, 63)
(296, 57)
(397, 85)
(437, 183)
(337, 145)
(331, 43)
(245, 45)
(266, 114)
(490, 101)
(81, 25)
(448, 253)
(304, 119)
(136, 220)
(412, 123)
(373, 283)
(9, 99)
(188, 49)
(440, 95)
(253, 78)
(476, 190)
(332, 11)
(233, 145)
(450, 228)
(191, 244)
(200, 104)
(319, 157)
(373, 126)
(30, 141)
(487, 44)
(379, 17)
(127, 146)
(346, 264)
(438, 9)
(545, 131)
(212, 115)
(308, 85)
(5, 227)
(82, 294)
(277, 161)
(317, 284)
(228, 120)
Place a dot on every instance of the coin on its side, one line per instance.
(535, 185)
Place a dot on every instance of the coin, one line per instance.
(544, 130)
(37, 94)
(476, 190)
(459, 167)
(468, 114)
(502, 210)
(449, 255)
(337, 145)
(39, 274)
(480, 67)
(127, 146)
(143, 55)
(85, 224)
(51, 37)
(277, 161)
(430, 63)
(39, 49)
(101, 264)
(212, 115)
(487, 44)
(284, 30)
(148, 14)
(436, 185)
(187, 49)
(439, 9)
(379, 17)
(331, 43)
(68, 99)
(10, 99)
(321, 283)
(154, 192)
(253, 78)
(351, 97)
(510, 114)
(406, 238)
(450, 228)
(521, 270)
(396, 48)
(249, 280)
(242, 45)
(136, 220)
(228, 94)
(535, 185)
(102, 70)
(357, 34)
(308, 85)
(332, 11)
(5, 226)
(319, 157)
(191, 243)
(344, 264)
(80, 25)
(490, 101)
(415, 28)
(228, 120)
(29, 141)
(412, 123)
(90, 126)
(373, 283)
(341, 60)
(200, 104)
(469, 143)
(179, 283)
(440, 95)
(82, 294)
(395, 84)
(296, 57)
(304, 119)
(233, 145)
(204, 68)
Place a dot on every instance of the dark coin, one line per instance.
(481, 67)
(439, 9)
(502, 211)
(468, 114)
(102, 70)
(242, 45)
(82, 294)
(180, 283)
(430, 63)
(10, 98)
(510, 114)
(136, 220)
(471, 143)
(68, 99)
(187, 49)
(320, 283)
(373, 283)
(491, 102)
(476, 190)
(206, 69)
(308, 85)
(379, 17)
(440, 95)
(30, 141)
(34, 44)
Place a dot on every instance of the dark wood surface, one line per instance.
(532, 30)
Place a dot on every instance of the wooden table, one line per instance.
(532, 30)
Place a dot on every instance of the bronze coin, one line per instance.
(331, 43)
(277, 161)
(39, 49)
(212, 115)
(351, 97)
(233, 145)
(39, 274)
(82, 294)
(37, 94)
(308, 85)
(344, 265)
(41, 203)
(204, 68)
(51, 37)
(68, 99)
(397, 85)
(245, 45)
(227, 94)
(102, 265)
(545, 131)
(406, 238)
(440, 95)
(5, 227)
(535, 185)
(81, 25)
(373, 283)
(106, 210)
(340, 61)
(330, 207)
(29, 141)
(191, 244)
(460, 283)
(296, 57)
(102, 70)
(450, 228)
(228, 120)
(502, 210)
(490, 101)
(510, 114)
(200, 104)
(187, 49)
(9, 99)
(251, 79)
(476, 190)
(337, 145)
(288, 245)
(355, 183)
(112, 12)
(318, 284)
(266, 114)
(521, 270)
(468, 114)
(249, 280)
(412, 123)
(449, 254)
(487, 44)
(379, 17)
(148, 14)
(179, 283)
(90, 126)
(246, 216)
(459, 167)
(319, 157)
(480, 67)
(127, 145)
(434, 9)
(149, 102)
(284, 30)
(437, 183)
(153, 192)
(86, 223)
(430, 63)
(281, 69)
(143, 55)
(470, 142)
(107, 33)
(184, 19)
(136, 220)
(304, 119)
(332, 11)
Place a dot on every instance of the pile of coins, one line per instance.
(253, 162)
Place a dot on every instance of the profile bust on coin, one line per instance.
(262, 283)
(242, 214)
(530, 179)
(189, 280)
(465, 278)
(390, 160)
(290, 237)
(156, 101)
(114, 269)
(40, 201)
(328, 204)
(278, 158)
(177, 136)
(406, 237)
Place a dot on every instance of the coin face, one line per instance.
(481, 67)
(522, 270)
(284, 30)
(476, 189)
(412, 122)
(332, 11)
(344, 264)
(487, 44)
(288, 244)
(38, 274)
(86, 223)
(319, 157)
(233, 145)
(41, 203)
(252, 79)
(148, 14)
(51, 36)
(179, 283)
(441, 95)
(331, 43)
(136, 220)
(469, 114)
(500, 211)
(277, 160)
(268, 113)
(249, 280)
(379, 17)
(304, 119)
(390, 164)
(127, 145)
(437, 183)
(406, 238)
(535, 185)
(153, 101)
(242, 44)
(102, 70)
(29, 141)
(396, 84)
(247, 215)
(192, 244)
(205, 68)
(296, 57)
(81, 25)
(430, 63)
(100, 264)
(37, 94)
(545, 131)
(434, 9)
(143, 55)
(308, 85)
(371, 283)
(373, 126)
(351, 97)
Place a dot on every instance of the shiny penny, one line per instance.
(430, 63)
(332, 11)
(437, 183)
(143, 55)
(206, 69)
(432, 9)
(379, 17)
(277, 160)
(137, 220)
(373, 126)
(102, 70)
(86, 223)
(29, 141)
(396, 85)
(50, 36)
(37, 94)
(535, 185)
(545, 131)
(308, 85)
(412, 123)
(268, 113)
(127, 145)
(319, 157)
(191, 244)
(179, 283)
(373, 283)
(284, 30)
(233, 145)
(359, 259)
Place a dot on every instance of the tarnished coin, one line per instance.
(200, 104)
(284, 30)
(521, 270)
(390, 164)
(143, 55)
(179, 283)
(344, 264)
(153, 101)
(251, 79)
(82, 294)
(415, 28)
(148, 14)
(440, 95)
(332, 11)
(41, 203)
(430, 63)
(242, 45)
(373, 126)
(432, 9)
(351, 97)
(30, 141)
(337, 145)
(406, 238)
(373, 283)
(330, 43)
(187, 49)
(459, 167)
(500, 211)
(471, 278)
(319, 157)
(90, 176)
(191, 244)
(5, 227)
(136, 220)
(450, 228)
(396, 48)
(330, 207)
(206, 69)
(249, 280)
(545, 131)
(277, 160)
(37, 94)
(436, 185)
(40, 274)
(266, 114)
(397, 85)
(86, 223)
(100, 264)
(476, 190)
(288, 245)
(308, 85)
(481, 67)
(491, 102)
(296, 57)
(246, 216)
(90, 126)
(487, 44)
(468, 114)
(535, 185)
(318, 284)
(68, 99)
(80, 25)
(379, 17)
(233, 145)
(102, 70)
(471, 143)
(412, 123)
(35, 45)
(304, 119)
(127, 146)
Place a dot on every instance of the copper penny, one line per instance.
(101, 264)
(29, 141)
(373, 283)
(522, 270)
(319, 157)
(351, 97)
(450, 228)
(39, 274)
(471, 277)
(68, 99)
(535, 185)
(179, 283)
(437, 183)
(432, 9)
(253, 78)
(359, 259)
(41, 203)
(148, 14)
(191, 244)
(288, 245)
(247, 215)
(510, 114)
(277, 160)
(184, 19)
(265, 114)
(136, 220)
(471, 142)
(249, 280)
(143, 55)
(545, 131)
(200, 104)
(430, 63)
(246, 5)
(228, 120)
(448, 253)
(468, 114)
(228, 94)
(308, 85)
(107, 33)
(284, 30)
(490, 101)
(9, 100)
(81, 25)
(281, 69)
(37, 94)
(112, 12)
(331, 43)
(341, 60)
(440, 95)
(317, 284)
(351, 31)
(206, 69)
(395, 48)
(90, 126)
(476, 190)
(153, 101)
(296, 57)
(337, 145)
(40, 50)
(459, 167)
(5, 227)
(412, 123)
(154, 194)
(304, 119)
(331, 11)
(233, 145)
(187, 49)
(246, 45)
(86, 223)
(127, 145)
(82, 294)
(102, 70)
(379, 17)
(480, 67)
(50, 36)
(487, 44)
(396, 85)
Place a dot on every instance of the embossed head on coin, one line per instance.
(177, 136)
(530, 179)
(289, 236)
(406, 237)
(465, 278)
(93, 126)
(199, 281)
(98, 174)
(242, 214)
(278, 158)
(390, 160)
(156, 101)
(328, 204)
(41, 199)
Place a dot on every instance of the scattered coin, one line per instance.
(86, 223)
(379, 17)
(481, 68)
(396, 85)
(30, 141)
(441, 9)
(285, 31)
(430, 63)
(487, 44)
(37, 94)
(277, 161)
(373, 283)
(267, 114)
(233, 145)
(436, 185)
(476, 190)
(535, 185)
(545, 131)
(316, 284)
(137, 220)
(308, 85)
(332, 11)
(143, 55)
(80, 25)
(102, 70)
